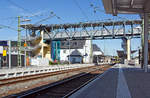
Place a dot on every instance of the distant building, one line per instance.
(123, 56)
(14, 48)
(79, 51)
(97, 54)
(14, 54)
(75, 57)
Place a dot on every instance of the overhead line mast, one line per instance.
(19, 43)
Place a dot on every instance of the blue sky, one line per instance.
(70, 11)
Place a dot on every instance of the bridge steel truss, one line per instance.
(89, 30)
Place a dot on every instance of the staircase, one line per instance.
(37, 47)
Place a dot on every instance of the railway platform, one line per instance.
(121, 81)
(30, 70)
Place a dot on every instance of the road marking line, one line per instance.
(122, 87)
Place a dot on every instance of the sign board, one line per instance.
(3, 43)
(4, 52)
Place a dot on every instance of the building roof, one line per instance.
(75, 53)
(126, 6)
(96, 48)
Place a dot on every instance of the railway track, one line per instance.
(62, 88)
(15, 80)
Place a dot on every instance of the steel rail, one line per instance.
(14, 80)
(32, 92)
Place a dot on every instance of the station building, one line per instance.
(73, 51)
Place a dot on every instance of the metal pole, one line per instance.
(146, 42)
(9, 53)
(19, 43)
(97, 59)
(25, 63)
(139, 52)
(91, 51)
(142, 42)
(69, 52)
(56, 50)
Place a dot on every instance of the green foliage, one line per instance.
(58, 63)
(54, 63)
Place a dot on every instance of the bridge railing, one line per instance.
(93, 34)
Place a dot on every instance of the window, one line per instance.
(64, 51)
(63, 43)
(67, 43)
(75, 43)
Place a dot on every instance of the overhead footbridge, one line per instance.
(89, 30)
(122, 29)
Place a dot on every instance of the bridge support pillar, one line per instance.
(42, 43)
(91, 51)
(128, 49)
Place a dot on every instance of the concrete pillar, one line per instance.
(128, 49)
(91, 51)
(145, 42)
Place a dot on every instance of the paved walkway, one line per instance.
(121, 81)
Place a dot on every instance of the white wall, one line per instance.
(86, 49)
(65, 52)
(97, 53)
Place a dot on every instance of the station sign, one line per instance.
(3, 43)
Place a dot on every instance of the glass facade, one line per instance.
(55, 50)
